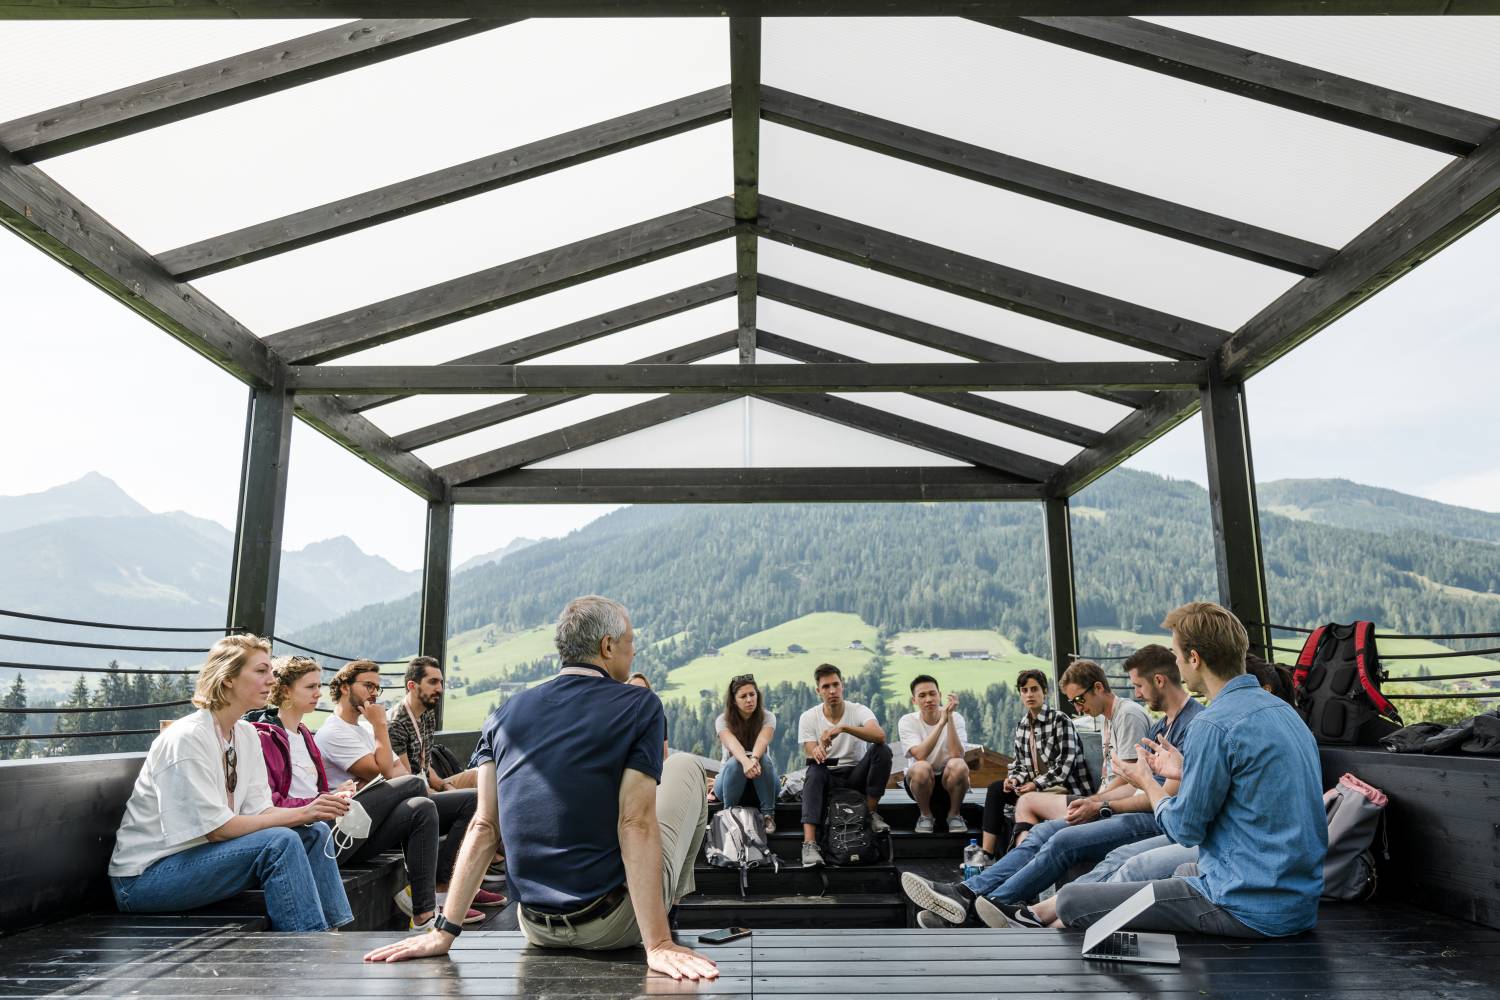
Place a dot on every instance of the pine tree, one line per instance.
(75, 722)
(13, 724)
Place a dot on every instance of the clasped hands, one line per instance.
(1156, 759)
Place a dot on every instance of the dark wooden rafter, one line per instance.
(43, 213)
(215, 9)
(1254, 75)
(583, 434)
(918, 434)
(740, 485)
(227, 82)
(985, 281)
(1452, 202)
(981, 406)
(441, 187)
(745, 89)
(913, 331)
(737, 380)
(505, 284)
(584, 330)
(499, 413)
(1124, 439)
(1049, 184)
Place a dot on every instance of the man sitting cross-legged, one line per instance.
(1092, 828)
(846, 748)
(1247, 793)
(601, 834)
(933, 736)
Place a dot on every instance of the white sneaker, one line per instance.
(957, 824)
(878, 823)
(425, 925)
(403, 901)
(925, 824)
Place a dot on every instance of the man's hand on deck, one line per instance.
(672, 959)
(429, 945)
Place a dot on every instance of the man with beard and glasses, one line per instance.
(1094, 825)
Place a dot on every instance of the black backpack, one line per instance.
(1337, 684)
(848, 838)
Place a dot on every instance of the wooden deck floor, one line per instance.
(1358, 952)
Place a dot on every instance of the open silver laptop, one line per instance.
(1105, 941)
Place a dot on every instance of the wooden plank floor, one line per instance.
(1358, 952)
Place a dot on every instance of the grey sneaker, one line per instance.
(930, 920)
(986, 859)
(924, 824)
(990, 914)
(811, 856)
(957, 824)
(878, 823)
(945, 899)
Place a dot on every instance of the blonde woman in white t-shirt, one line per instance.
(200, 825)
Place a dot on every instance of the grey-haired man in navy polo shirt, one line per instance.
(600, 834)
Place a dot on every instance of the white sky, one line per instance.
(1397, 394)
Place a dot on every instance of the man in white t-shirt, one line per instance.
(846, 748)
(937, 778)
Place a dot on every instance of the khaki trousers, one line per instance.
(682, 811)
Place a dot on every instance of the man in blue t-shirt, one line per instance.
(600, 834)
(1247, 792)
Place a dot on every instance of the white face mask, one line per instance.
(353, 825)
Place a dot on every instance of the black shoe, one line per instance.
(953, 901)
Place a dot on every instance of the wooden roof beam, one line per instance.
(988, 282)
(227, 82)
(738, 380)
(745, 90)
(1059, 187)
(1126, 438)
(484, 291)
(1260, 77)
(980, 406)
(584, 330)
(916, 484)
(442, 187)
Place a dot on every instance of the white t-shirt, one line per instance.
(304, 771)
(913, 731)
(181, 793)
(720, 725)
(1122, 734)
(848, 749)
(341, 744)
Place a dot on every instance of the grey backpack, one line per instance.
(737, 839)
(1354, 813)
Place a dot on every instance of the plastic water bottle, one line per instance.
(971, 859)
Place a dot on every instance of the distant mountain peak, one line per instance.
(90, 495)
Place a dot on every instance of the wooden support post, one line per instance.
(1236, 522)
(1061, 600)
(256, 560)
(432, 639)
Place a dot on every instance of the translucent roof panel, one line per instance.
(1116, 123)
(944, 309)
(1020, 232)
(51, 63)
(472, 235)
(1446, 59)
(397, 119)
(843, 338)
(619, 348)
(610, 293)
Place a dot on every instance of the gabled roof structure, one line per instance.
(987, 255)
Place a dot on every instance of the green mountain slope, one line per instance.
(1367, 508)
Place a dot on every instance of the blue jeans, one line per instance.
(1052, 849)
(1144, 861)
(302, 886)
(729, 786)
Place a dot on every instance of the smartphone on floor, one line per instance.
(723, 936)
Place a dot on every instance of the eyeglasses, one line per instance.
(231, 769)
(371, 687)
(743, 679)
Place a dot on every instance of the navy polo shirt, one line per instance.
(560, 751)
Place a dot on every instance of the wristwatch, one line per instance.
(442, 923)
(1105, 812)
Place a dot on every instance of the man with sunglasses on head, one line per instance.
(356, 745)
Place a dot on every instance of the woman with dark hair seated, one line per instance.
(745, 729)
(201, 826)
(1048, 757)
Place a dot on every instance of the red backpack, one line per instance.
(1337, 684)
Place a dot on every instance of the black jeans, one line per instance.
(402, 815)
(454, 810)
(868, 776)
(996, 798)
